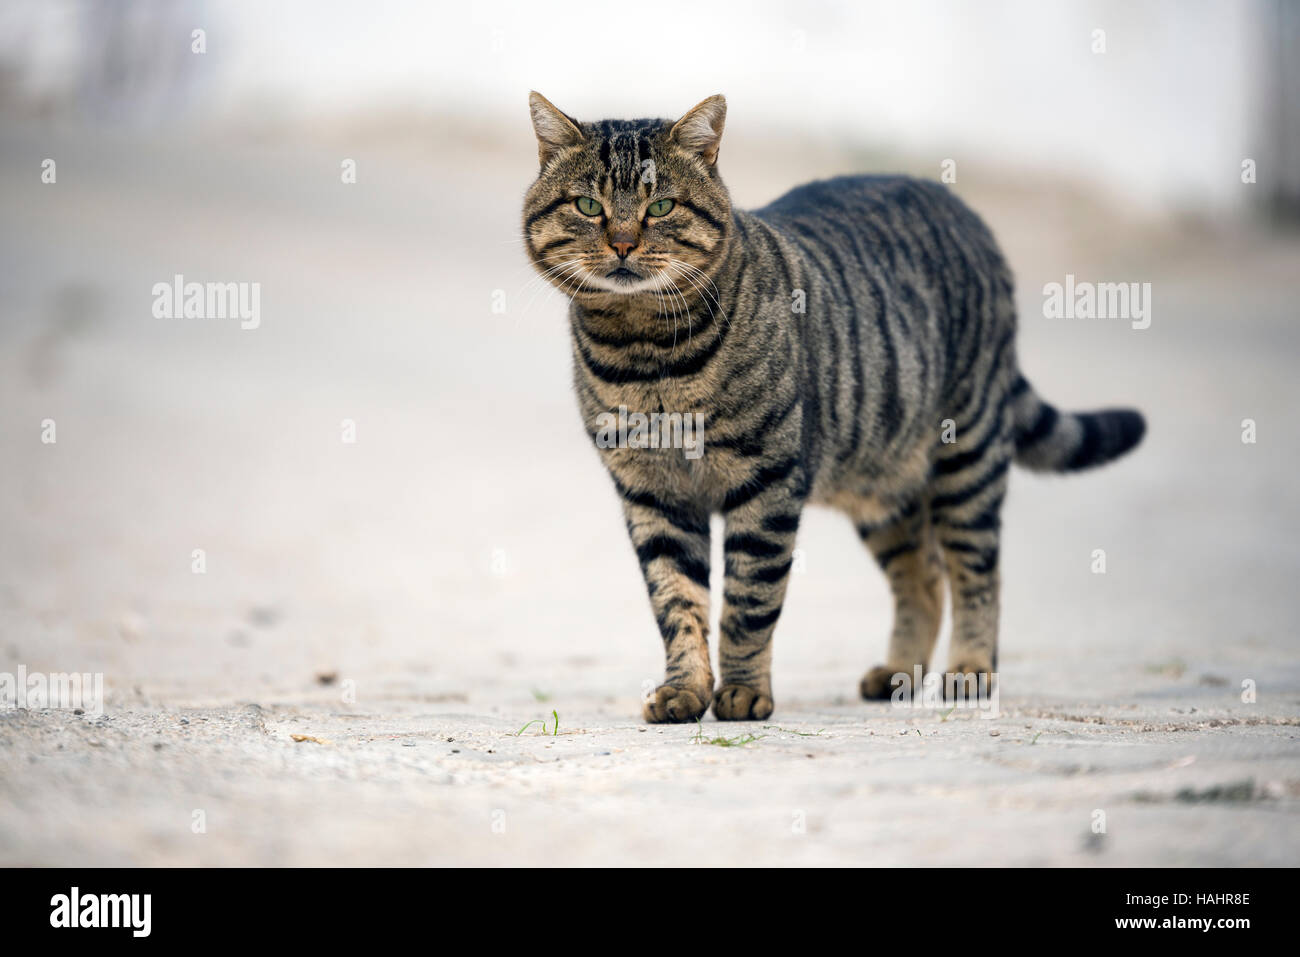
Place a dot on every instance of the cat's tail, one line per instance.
(1052, 441)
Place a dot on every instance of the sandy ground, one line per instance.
(413, 599)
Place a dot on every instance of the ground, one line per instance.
(422, 605)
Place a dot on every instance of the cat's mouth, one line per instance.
(622, 280)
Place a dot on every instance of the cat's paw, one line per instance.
(968, 680)
(672, 705)
(741, 703)
(878, 683)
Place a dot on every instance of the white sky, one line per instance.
(1164, 116)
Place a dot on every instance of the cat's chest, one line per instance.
(693, 395)
(655, 435)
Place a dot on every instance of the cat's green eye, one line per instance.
(661, 207)
(589, 207)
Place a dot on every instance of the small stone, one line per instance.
(263, 616)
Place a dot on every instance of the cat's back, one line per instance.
(892, 214)
(831, 193)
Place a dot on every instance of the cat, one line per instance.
(850, 345)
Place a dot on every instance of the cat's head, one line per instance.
(622, 207)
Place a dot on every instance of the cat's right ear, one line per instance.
(555, 131)
(700, 130)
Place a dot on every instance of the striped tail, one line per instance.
(1052, 441)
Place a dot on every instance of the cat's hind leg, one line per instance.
(907, 553)
(966, 503)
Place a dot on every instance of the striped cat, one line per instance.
(851, 345)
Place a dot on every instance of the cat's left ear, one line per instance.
(555, 130)
(700, 130)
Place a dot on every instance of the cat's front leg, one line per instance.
(672, 544)
(759, 551)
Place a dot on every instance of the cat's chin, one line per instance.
(624, 287)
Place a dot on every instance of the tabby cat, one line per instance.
(851, 344)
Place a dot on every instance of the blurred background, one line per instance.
(1152, 101)
(466, 547)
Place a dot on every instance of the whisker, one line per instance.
(689, 271)
(703, 294)
(544, 279)
(686, 308)
(544, 276)
(564, 274)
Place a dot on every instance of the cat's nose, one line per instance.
(623, 244)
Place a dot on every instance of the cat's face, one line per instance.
(625, 207)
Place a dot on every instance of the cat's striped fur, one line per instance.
(828, 338)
